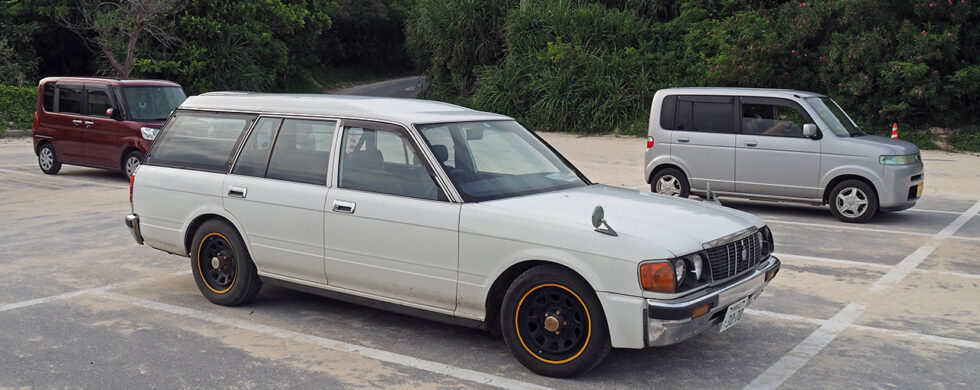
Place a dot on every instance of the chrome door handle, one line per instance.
(683, 139)
(89, 123)
(237, 192)
(77, 121)
(344, 206)
(751, 143)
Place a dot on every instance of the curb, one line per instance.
(16, 133)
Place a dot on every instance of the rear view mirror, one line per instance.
(474, 134)
(809, 130)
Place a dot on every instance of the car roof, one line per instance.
(111, 81)
(757, 92)
(398, 110)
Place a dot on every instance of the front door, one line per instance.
(389, 230)
(67, 123)
(772, 157)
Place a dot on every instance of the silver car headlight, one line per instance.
(680, 268)
(904, 159)
(697, 266)
(149, 133)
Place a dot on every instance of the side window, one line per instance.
(254, 157)
(772, 119)
(442, 145)
(682, 121)
(98, 102)
(49, 97)
(713, 117)
(385, 162)
(70, 99)
(199, 140)
(667, 111)
(302, 151)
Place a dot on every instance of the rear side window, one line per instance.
(302, 151)
(667, 111)
(711, 114)
(49, 97)
(199, 140)
(70, 99)
(254, 157)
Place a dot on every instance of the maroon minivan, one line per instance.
(98, 122)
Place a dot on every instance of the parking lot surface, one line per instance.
(894, 303)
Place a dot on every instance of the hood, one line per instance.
(649, 225)
(887, 145)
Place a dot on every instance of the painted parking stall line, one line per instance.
(788, 365)
(93, 290)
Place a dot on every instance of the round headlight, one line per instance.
(698, 266)
(679, 269)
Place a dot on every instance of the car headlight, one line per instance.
(904, 159)
(679, 270)
(149, 133)
(697, 266)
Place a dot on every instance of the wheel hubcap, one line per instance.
(47, 159)
(131, 164)
(852, 202)
(669, 185)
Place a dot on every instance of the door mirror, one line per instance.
(810, 130)
(109, 111)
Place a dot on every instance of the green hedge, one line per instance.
(17, 107)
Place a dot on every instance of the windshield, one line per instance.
(152, 103)
(834, 117)
(498, 159)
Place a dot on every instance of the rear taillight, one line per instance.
(35, 121)
(131, 180)
(649, 142)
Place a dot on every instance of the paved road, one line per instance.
(890, 304)
(406, 87)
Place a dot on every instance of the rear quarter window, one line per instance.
(199, 140)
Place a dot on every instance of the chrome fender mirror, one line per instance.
(598, 219)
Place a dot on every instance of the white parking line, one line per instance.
(853, 263)
(333, 345)
(934, 211)
(38, 301)
(788, 365)
(845, 227)
(62, 177)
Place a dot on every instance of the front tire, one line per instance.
(853, 201)
(553, 323)
(221, 265)
(47, 160)
(131, 162)
(671, 182)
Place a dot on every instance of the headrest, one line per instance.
(441, 153)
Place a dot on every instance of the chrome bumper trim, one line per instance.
(133, 223)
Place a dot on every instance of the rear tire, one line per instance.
(553, 323)
(47, 159)
(670, 182)
(221, 265)
(853, 201)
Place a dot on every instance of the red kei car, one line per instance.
(101, 123)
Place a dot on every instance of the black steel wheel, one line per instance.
(222, 268)
(553, 322)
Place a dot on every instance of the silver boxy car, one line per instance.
(773, 144)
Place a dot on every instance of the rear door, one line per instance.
(102, 136)
(703, 140)
(66, 123)
(771, 155)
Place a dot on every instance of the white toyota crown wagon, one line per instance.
(442, 212)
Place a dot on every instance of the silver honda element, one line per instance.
(775, 144)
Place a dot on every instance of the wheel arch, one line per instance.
(122, 157)
(201, 219)
(661, 167)
(41, 143)
(842, 178)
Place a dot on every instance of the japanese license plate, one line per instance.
(918, 192)
(734, 313)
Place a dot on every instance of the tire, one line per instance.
(47, 159)
(534, 303)
(131, 162)
(222, 268)
(671, 182)
(853, 201)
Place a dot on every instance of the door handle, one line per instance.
(90, 123)
(751, 143)
(683, 139)
(344, 206)
(77, 121)
(237, 192)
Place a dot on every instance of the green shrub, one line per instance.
(17, 107)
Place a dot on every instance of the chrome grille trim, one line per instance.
(735, 254)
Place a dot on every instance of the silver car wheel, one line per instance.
(852, 202)
(46, 158)
(131, 164)
(669, 185)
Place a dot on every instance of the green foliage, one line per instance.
(17, 107)
(967, 139)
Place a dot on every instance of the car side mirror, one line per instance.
(810, 130)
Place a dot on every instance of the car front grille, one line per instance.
(738, 256)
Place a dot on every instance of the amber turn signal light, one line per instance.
(658, 277)
(700, 311)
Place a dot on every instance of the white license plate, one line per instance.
(734, 313)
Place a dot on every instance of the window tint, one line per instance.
(254, 156)
(713, 117)
(198, 140)
(70, 99)
(682, 121)
(49, 97)
(152, 103)
(98, 102)
(667, 112)
(302, 151)
(772, 120)
(385, 162)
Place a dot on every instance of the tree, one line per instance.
(116, 27)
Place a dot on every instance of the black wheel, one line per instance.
(48, 160)
(853, 201)
(131, 162)
(671, 182)
(553, 323)
(222, 268)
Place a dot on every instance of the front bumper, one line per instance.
(901, 183)
(133, 223)
(670, 322)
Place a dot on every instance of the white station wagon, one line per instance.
(442, 212)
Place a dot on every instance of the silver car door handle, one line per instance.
(683, 139)
(343, 206)
(89, 123)
(237, 192)
(751, 143)
(77, 121)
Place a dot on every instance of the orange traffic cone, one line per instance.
(894, 130)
